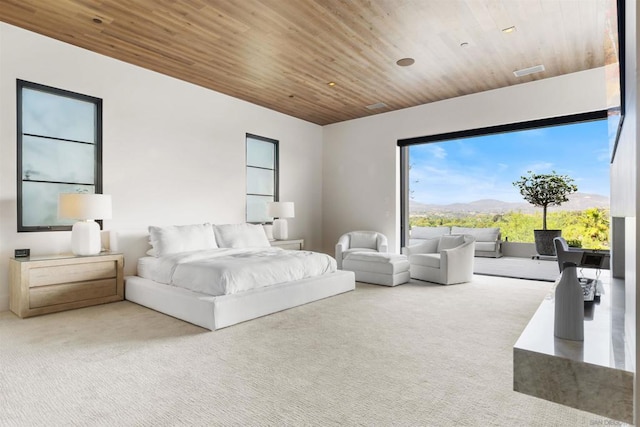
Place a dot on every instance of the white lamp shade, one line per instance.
(84, 206)
(280, 210)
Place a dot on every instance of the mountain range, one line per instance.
(577, 202)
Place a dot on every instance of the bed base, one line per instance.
(219, 312)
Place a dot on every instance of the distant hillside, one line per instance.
(577, 202)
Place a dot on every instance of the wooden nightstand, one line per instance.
(40, 285)
(292, 245)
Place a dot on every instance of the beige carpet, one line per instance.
(417, 354)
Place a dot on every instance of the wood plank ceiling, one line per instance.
(282, 54)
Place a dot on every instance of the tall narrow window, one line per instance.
(262, 177)
(59, 151)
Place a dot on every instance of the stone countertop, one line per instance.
(591, 375)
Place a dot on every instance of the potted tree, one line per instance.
(544, 190)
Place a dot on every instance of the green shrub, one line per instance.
(590, 228)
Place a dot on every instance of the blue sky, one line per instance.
(469, 169)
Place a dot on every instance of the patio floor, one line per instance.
(519, 268)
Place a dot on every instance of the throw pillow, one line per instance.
(181, 238)
(450, 242)
(239, 236)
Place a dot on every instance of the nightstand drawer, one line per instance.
(53, 275)
(60, 294)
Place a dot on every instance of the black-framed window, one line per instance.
(405, 144)
(59, 151)
(262, 177)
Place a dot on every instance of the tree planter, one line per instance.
(544, 241)
(545, 190)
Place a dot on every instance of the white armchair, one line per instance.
(360, 241)
(445, 260)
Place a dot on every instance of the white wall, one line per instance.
(174, 152)
(361, 167)
(625, 191)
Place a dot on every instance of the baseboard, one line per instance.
(4, 302)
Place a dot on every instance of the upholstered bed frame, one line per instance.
(220, 311)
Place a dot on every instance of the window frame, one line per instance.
(276, 173)
(404, 144)
(23, 84)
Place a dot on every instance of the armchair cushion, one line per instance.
(346, 253)
(361, 239)
(425, 260)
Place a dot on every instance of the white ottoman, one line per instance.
(378, 267)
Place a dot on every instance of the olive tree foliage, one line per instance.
(544, 190)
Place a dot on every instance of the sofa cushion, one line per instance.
(486, 246)
(450, 242)
(429, 232)
(361, 239)
(425, 260)
(487, 234)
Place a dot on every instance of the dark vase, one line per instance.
(544, 241)
(569, 305)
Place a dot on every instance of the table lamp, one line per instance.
(85, 207)
(280, 210)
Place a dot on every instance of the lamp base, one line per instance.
(280, 229)
(85, 238)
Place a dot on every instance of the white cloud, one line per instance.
(436, 185)
(602, 155)
(539, 167)
(438, 152)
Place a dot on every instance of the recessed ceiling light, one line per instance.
(405, 62)
(331, 84)
(510, 29)
(530, 70)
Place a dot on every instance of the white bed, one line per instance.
(215, 312)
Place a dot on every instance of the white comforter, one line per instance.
(227, 271)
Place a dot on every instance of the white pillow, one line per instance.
(241, 236)
(365, 240)
(181, 238)
(450, 242)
